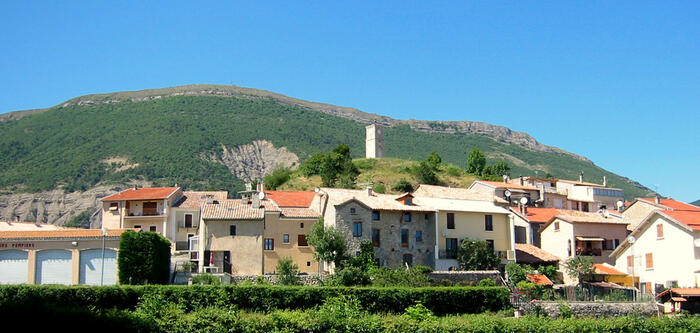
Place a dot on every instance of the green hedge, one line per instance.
(441, 300)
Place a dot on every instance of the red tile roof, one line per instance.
(61, 233)
(507, 185)
(540, 279)
(606, 270)
(541, 215)
(144, 193)
(195, 199)
(689, 218)
(673, 204)
(291, 198)
(681, 292)
(535, 252)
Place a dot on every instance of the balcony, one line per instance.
(447, 254)
(588, 252)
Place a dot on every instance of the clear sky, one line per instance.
(616, 81)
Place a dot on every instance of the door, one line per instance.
(150, 208)
(91, 270)
(54, 267)
(227, 262)
(13, 267)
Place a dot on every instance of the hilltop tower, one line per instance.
(374, 145)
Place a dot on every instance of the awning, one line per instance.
(590, 239)
(678, 299)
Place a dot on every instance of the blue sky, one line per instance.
(618, 82)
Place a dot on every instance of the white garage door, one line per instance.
(54, 267)
(13, 266)
(91, 267)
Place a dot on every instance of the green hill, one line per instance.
(176, 135)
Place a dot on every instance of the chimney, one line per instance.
(605, 181)
(580, 176)
(260, 187)
(17, 218)
(369, 191)
(521, 181)
(656, 199)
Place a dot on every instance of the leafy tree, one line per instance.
(313, 165)
(279, 176)
(550, 271)
(476, 162)
(579, 267)
(402, 186)
(338, 168)
(287, 272)
(476, 254)
(349, 276)
(516, 272)
(329, 244)
(425, 174)
(364, 260)
(144, 257)
(434, 161)
(497, 169)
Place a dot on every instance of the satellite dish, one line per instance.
(524, 200)
(316, 189)
(507, 193)
(631, 239)
(261, 195)
(619, 204)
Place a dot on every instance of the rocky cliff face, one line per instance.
(254, 161)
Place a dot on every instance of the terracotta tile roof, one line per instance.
(14, 226)
(507, 185)
(195, 199)
(606, 269)
(535, 252)
(541, 215)
(587, 217)
(291, 198)
(540, 279)
(688, 218)
(144, 193)
(61, 233)
(681, 292)
(672, 204)
(444, 192)
(299, 212)
(232, 210)
(576, 182)
(375, 201)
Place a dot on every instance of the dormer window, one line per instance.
(407, 202)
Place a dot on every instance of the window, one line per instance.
(137, 226)
(450, 220)
(568, 248)
(352, 210)
(150, 208)
(232, 230)
(404, 237)
(630, 261)
(407, 217)
(188, 220)
(659, 230)
(357, 229)
(650, 261)
(375, 237)
(285, 238)
(375, 215)
(616, 243)
(408, 259)
(269, 244)
(427, 217)
(308, 263)
(114, 206)
(419, 236)
(450, 248)
(407, 202)
(488, 222)
(491, 245)
(153, 228)
(556, 226)
(301, 240)
(301, 225)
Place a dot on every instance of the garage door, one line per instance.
(91, 267)
(54, 267)
(13, 266)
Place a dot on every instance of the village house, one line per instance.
(571, 233)
(640, 208)
(512, 193)
(663, 251)
(574, 194)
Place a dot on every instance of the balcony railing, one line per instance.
(144, 213)
(447, 254)
(589, 252)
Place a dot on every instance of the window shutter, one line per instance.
(650, 260)
(630, 261)
(659, 230)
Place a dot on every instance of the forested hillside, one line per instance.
(172, 140)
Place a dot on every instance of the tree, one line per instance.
(579, 267)
(497, 169)
(337, 167)
(287, 272)
(402, 186)
(434, 161)
(313, 165)
(279, 176)
(516, 272)
(425, 174)
(144, 257)
(476, 254)
(365, 259)
(476, 162)
(329, 244)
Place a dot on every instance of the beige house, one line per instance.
(403, 232)
(185, 214)
(572, 233)
(640, 208)
(288, 222)
(663, 251)
(510, 192)
(61, 256)
(573, 194)
(468, 213)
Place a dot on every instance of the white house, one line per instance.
(663, 250)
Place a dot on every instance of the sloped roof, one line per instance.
(672, 204)
(15, 226)
(299, 212)
(506, 185)
(606, 269)
(232, 210)
(60, 233)
(539, 279)
(375, 201)
(576, 216)
(689, 218)
(541, 215)
(291, 198)
(461, 205)
(195, 199)
(684, 292)
(444, 192)
(144, 193)
(533, 254)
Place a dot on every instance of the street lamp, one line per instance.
(631, 240)
(102, 265)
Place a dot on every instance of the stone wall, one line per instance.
(591, 309)
(308, 280)
(469, 276)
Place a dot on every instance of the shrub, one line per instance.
(287, 272)
(486, 283)
(453, 171)
(419, 312)
(144, 257)
(402, 186)
(425, 174)
(206, 278)
(565, 310)
(379, 188)
(516, 272)
(277, 178)
(349, 276)
(476, 254)
(416, 276)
